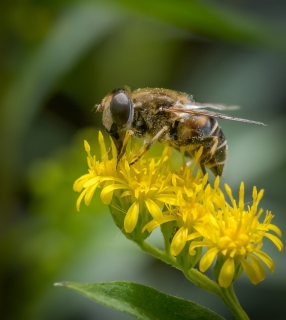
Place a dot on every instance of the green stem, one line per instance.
(227, 295)
(202, 281)
(193, 275)
(232, 293)
(231, 300)
(157, 253)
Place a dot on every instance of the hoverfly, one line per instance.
(169, 117)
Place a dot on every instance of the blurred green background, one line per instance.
(59, 58)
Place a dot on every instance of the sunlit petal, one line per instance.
(131, 217)
(266, 259)
(275, 229)
(179, 241)
(259, 268)
(208, 259)
(154, 210)
(80, 198)
(249, 270)
(89, 194)
(78, 184)
(91, 181)
(106, 193)
(169, 199)
(278, 243)
(150, 226)
(226, 273)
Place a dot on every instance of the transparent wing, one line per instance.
(202, 112)
(198, 105)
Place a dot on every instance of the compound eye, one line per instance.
(120, 108)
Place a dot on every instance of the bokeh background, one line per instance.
(59, 58)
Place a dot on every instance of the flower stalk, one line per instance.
(199, 279)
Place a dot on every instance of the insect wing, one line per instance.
(202, 112)
(197, 105)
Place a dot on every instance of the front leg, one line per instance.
(124, 146)
(148, 145)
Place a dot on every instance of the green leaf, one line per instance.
(141, 301)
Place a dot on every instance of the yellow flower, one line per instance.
(235, 236)
(145, 185)
(151, 193)
(189, 212)
(142, 188)
(99, 172)
(193, 193)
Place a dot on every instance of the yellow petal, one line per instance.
(89, 194)
(110, 178)
(249, 270)
(260, 195)
(278, 243)
(198, 154)
(208, 259)
(241, 196)
(86, 146)
(79, 199)
(92, 181)
(150, 226)
(216, 183)
(131, 218)
(113, 148)
(266, 259)
(107, 192)
(194, 236)
(102, 144)
(205, 179)
(154, 210)
(254, 193)
(202, 230)
(229, 193)
(226, 273)
(275, 229)
(125, 194)
(168, 198)
(78, 184)
(179, 241)
(174, 182)
(196, 244)
(252, 270)
(259, 269)
(189, 192)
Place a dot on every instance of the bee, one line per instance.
(169, 117)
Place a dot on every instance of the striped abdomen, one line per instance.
(193, 132)
(218, 152)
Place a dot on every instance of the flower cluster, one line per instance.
(152, 193)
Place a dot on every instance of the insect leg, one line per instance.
(209, 145)
(124, 146)
(203, 169)
(148, 145)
